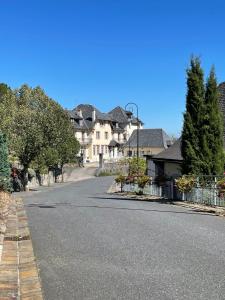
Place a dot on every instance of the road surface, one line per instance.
(91, 245)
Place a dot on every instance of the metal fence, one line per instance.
(205, 191)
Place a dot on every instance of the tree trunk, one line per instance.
(24, 178)
(62, 178)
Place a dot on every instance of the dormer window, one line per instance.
(117, 125)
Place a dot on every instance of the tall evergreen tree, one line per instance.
(190, 144)
(4, 89)
(212, 130)
(4, 165)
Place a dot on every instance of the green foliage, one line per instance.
(190, 143)
(39, 131)
(5, 171)
(137, 167)
(108, 173)
(121, 179)
(221, 187)
(211, 136)
(142, 181)
(4, 89)
(185, 183)
(202, 135)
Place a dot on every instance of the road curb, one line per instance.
(19, 277)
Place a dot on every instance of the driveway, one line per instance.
(91, 245)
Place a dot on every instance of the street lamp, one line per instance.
(134, 104)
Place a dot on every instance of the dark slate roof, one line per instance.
(87, 110)
(156, 138)
(117, 115)
(221, 89)
(120, 115)
(73, 114)
(173, 153)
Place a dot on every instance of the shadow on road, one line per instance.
(157, 200)
(55, 205)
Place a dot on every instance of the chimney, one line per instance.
(79, 112)
(93, 115)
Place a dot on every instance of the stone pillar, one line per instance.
(100, 160)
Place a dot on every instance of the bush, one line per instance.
(137, 167)
(142, 181)
(5, 171)
(185, 183)
(131, 179)
(221, 187)
(108, 173)
(121, 179)
(5, 184)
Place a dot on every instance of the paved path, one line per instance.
(74, 174)
(90, 245)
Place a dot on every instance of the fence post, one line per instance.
(171, 189)
(197, 186)
(160, 191)
(215, 191)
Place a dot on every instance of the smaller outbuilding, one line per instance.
(151, 142)
(166, 163)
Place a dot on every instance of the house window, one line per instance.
(124, 137)
(94, 150)
(98, 135)
(98, 148)
(118, 137)
(106, 135)
(102, 149)
(106, 149)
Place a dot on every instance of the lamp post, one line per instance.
(134, 104)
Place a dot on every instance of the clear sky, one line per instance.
(109, 52)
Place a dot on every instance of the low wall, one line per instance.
(45, 180)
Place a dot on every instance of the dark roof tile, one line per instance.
(171, 153)
(156, 138)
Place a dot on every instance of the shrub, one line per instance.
(142, 181)
(121, 179)
(108, 173)
(137, 167)
(5, 182)
(185, 183)
(221, 187)
(130, 179)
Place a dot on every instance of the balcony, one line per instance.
(85, 141)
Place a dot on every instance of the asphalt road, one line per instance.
(90, 245)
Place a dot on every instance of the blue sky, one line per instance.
(109, 52)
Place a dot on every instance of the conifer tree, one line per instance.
(4, 165)
(212, 130)
(190, 144)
